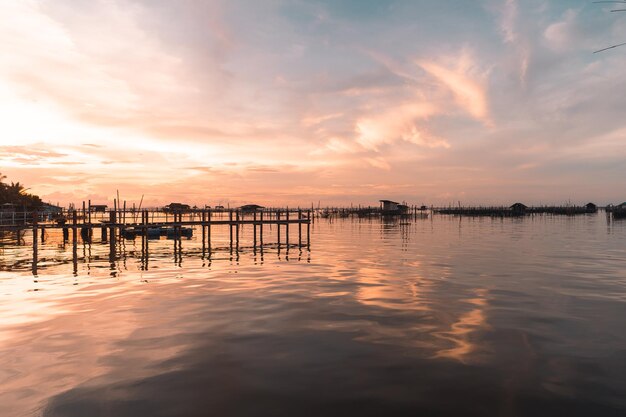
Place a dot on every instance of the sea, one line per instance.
(435, 316)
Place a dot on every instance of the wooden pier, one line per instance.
(119, 224)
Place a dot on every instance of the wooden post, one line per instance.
(237, 229)
(299, 227)
(208, 229)
(74, 222)
(254, 229)
(75, 253)
(278, 226)
(261, 231)
(287, 228)
(35, 240)
(145, 221)
(89, 212)
(202, 225)
(308, 228)
(112, 221)
(230, 227)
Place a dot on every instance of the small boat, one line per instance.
(129, 233)
(154, 232)
(177, 233)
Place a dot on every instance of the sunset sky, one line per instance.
(294, 102)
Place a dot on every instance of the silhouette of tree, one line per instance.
(15, 193)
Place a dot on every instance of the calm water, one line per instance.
(437, 317)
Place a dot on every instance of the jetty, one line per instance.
(119, 223)
(175, 223)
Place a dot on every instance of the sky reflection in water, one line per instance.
(440, 316)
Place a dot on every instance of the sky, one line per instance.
(326, 102)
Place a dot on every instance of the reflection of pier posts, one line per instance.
(144, 242)
(178, 243)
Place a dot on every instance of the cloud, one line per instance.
(508, 22)
(213, 100)
(29, 152)
(563, 34)
(466, 83)
(400, 123)
(379, 162)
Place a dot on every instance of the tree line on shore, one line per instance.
(16, 194)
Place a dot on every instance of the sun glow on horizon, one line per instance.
(151, 98)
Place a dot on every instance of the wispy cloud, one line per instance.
(401, 123)
(242, 100)
(466, 82)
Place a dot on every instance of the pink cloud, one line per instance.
(401, 123)
(466, 83)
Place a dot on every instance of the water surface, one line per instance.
(436, 317)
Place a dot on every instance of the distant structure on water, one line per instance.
(176, 207)
(618, 211)
(591, 208)
(250, 208)
(520, 209)
(388, 207)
